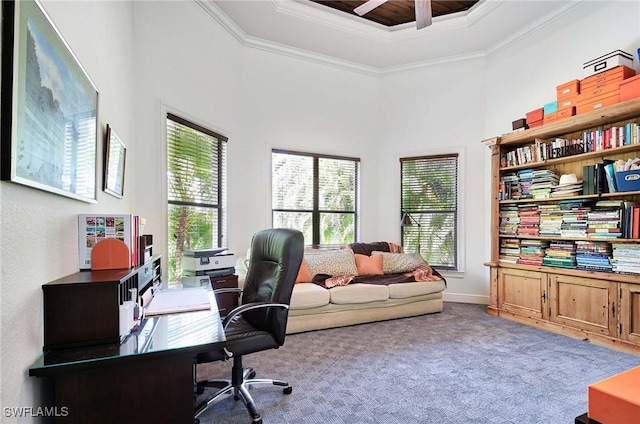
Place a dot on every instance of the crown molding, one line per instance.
(296, 8)
(216, 13)
(441, 61)
(345, 22)
(306, 55)
(533, 27)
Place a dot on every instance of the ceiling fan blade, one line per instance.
(423, 13)
(368, 6)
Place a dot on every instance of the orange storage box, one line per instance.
(616, 74)
(567, 90)
(550, 117)
(566, 112)
(588, 103)
(600, 89)
(616, 399)
(567, 102)
(630, 88)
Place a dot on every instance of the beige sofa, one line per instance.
(314, 307)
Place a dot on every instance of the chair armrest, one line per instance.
(247, 307)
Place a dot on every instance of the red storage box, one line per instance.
(535, 115)
(535, 123)
(630, 88)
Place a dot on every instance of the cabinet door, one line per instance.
(583, 303)
(630, 312)
(522, 292)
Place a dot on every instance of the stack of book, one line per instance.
(529, 217)
(509, 250)
(550, 220)
(532, 252)
(626, 258)
(593, 255)
(574, 218)
(605, 218)
(525, 178)
(509, 186)
(509, 220)
(542, 183)
(560, 254)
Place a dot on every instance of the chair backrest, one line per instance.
(276, 255)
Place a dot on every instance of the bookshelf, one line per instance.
(567, 264)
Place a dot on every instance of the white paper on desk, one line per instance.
(179, 300)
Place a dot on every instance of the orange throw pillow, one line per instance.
(303, 274)
(369, 265)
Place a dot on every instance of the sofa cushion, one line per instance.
(359, 293)
(334, 262)
(369, 265)
(309, 295)
(405, 290)
(397, 263)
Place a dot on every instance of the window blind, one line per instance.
(429, 193)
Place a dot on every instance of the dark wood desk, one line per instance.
(146, 379)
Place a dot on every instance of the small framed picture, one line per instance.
(115, 153)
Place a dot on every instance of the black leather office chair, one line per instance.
(260, 322)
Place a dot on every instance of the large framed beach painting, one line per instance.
(49, 119)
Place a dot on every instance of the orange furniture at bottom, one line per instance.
(616, 399)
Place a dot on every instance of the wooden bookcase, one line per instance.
(602, 307)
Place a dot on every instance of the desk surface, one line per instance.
(181, 334)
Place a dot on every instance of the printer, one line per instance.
(211, 262)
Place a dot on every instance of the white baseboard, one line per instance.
(466, 298)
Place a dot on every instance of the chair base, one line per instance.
(241, 380)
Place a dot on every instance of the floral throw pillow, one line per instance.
(397, 263)
(334, 262)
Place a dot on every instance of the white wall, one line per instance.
(38, 230)
(297, 105)
(438, 111)
(148, 57)
(188, 65)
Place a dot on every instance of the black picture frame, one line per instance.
(49, 120)
(115, 155)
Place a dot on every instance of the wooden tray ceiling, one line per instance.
(396, 12)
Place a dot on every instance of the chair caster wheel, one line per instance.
(251, 375)
(287, 390)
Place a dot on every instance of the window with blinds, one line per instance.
(429, 194)
(316, 194)
(196, 185)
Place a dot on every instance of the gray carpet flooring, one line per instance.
(458, 366)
